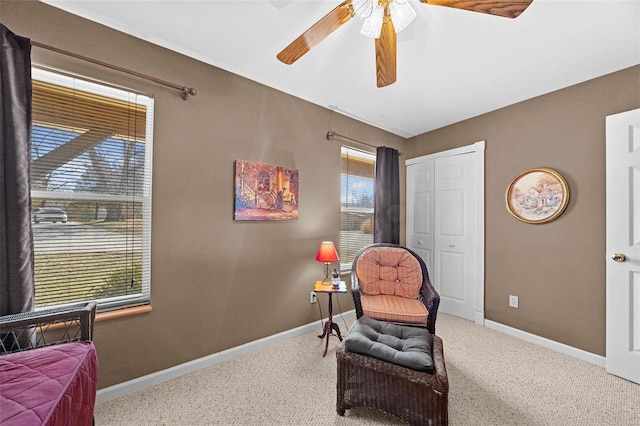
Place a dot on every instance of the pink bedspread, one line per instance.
(55, 385)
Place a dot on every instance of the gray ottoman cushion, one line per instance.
(402, 345)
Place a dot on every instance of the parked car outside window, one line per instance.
(49, 214)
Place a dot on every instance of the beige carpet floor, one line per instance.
(494, 379)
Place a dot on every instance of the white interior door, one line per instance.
(420, 210)
(455, 234)
(445, 224)
(623, 245)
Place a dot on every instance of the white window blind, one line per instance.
(91, 149)
(356, 201)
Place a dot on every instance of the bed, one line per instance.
(48, 367)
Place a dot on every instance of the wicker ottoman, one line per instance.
(417, 397)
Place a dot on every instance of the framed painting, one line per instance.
(537, 196)
(265, 192)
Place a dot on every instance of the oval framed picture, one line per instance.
(537, 195)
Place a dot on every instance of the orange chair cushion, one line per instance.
(389, 271)
(394, 309)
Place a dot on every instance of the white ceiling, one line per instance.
(451, 64)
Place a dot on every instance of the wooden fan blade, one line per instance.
(506, 8)
(386, 52)
(318, 32)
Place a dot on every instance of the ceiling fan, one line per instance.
(383, 19)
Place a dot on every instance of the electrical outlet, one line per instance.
(312, 297)
(513, 301)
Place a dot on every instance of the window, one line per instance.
(356, 203)
(91, 148)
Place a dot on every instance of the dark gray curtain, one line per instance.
(386, 200)
(16, 242)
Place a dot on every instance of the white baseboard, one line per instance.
(598, 360)
(171, 373)
(479, 318)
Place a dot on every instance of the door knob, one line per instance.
(619, 257)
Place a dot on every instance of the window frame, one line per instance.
(74, 82)
(346, 261)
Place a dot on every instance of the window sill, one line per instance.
(124, 312)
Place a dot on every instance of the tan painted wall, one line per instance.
(556, 269)
(216, 283)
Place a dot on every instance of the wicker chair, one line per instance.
(391, 283)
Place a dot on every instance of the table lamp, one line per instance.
(327, 254)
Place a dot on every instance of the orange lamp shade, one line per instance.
(327, 253)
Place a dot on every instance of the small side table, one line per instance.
(330, 326)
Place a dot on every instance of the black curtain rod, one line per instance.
(186, 91)
(332, 135)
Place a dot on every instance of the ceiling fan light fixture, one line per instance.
(401, 14)
(363, 8)
(373, 24)
(382, 20)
